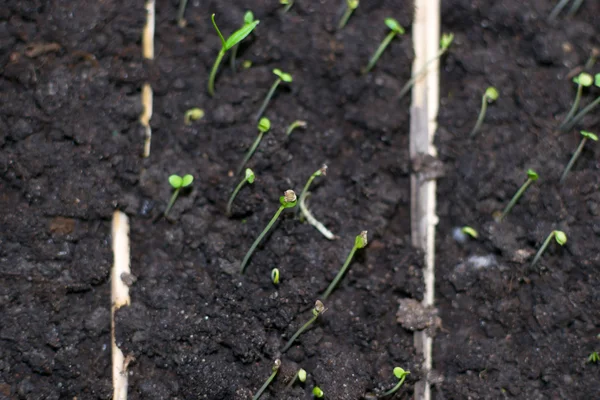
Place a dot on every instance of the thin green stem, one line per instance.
(573, 159)
(543, 248)
(288, 6)
(581, 114)
(340, 274)
(379, 51)
(291, 383)
(345, 17)
(250, 152)
(395, 388)
(213, 73)
(265, 385)
(299, 332)
(574, 7)
(267, 99)
(172, 201)
(515, 198)
(181, 12)
(574, 107)
(557, 9)
(259, 238)
(233, 56)
(418, 75)
(235, 192)
(481, 117)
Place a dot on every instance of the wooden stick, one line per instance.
(148, 54)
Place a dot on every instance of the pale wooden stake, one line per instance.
(148, 53)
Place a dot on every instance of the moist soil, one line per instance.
(509, 330)
(71, 154)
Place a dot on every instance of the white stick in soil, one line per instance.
(119, 298)
(148, 53)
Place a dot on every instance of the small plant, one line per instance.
(532, 176)
(586, 135)
(395, 29)
(275, 276)
(264, 125)
(490, 95)
(180, 20)
(445, 42)
(287, 3)
(359, 242)
(249, 177)
(274, 370)
(288, 200)
(318, 310)
(294, 125)
(351, 5)
(593, 357)
(401, 375)
(582, 80)
(248, 19)
(585, 110)
(193, 114)
(304, 209)
(559, 236)
(231, 41)
(300, 375)
(318, 393)
(177, 182)
(281, 77)
(470, 231)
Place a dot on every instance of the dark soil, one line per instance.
(512, 331)
(70, 154)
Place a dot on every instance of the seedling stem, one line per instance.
(585, 110)
(401, 375)
(532, 176)
(177, 182)
(582, 80)
(351, 5)
(249, 177)
(559, 236)
(318, 310)
(490, 95)
(274, 370)
(318, 393)
(395, 29)
(557, 9)
(359, 242)
(287, 3)
(263, 127)
(300, 375)
(281, 76)
(296, 124)
(586, 135)
(180, 20)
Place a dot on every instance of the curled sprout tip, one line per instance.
(302, 375)
(590, 135)
(361, 240)
(470, 231)
(284, 76)
(584, 79)
(446, 40)
(531, 174)
(275, 276)
(394, 25)
(560, 237)
(276, 365)
(249, 175)
(400, 372)
(491, 93)
(264, 125)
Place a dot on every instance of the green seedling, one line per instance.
(318, 310)
(318, 393)
(532, 176)
(275, 276)
(300, 375)
(306, 212)
(559, 236)
(294, 125)
(231, 41)
(401, 375)
(359, 242)
(248, 19)
(470, 231)
(180, 20)
(264, 125)
(593, 357)
(490, 95)
(248, 177)
(288, 200)
(395, 29)
(281, 77)
(445, 42)
(575, 120)
(562, 4)
(582, 80)
(193, 114)
(274, 371)
(287, 3)
(586, 135)
(178, 183)
(351, 5)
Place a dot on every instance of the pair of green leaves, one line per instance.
(178, 182)
(239, 35)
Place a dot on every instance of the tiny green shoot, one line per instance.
(574, 7)
(306, 212)
(401, 375)
(274, 370)
(351, 5)
(275, 276)
(231, 41)
(585, 110)
(294, 125)
(300, 375)
(288, 200)
(559, 236)
(281, 77)
(180, 20)
(318, 393)
(248, 177)
(359, 242)
(318, 310)
(532, 176)
(593, 357)
(582, 80)
(287, 3)
(490, 95)
(557, 9)
(445, 42)
(264, 125)
(395, 29)
(470, 231)
(193, 114)
(178, 183)
(248, 19)
(586, 135)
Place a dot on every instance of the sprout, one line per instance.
(275, 276)
(234, 39)
(359, 242)
(300, 375)
(304, 209)
(395, 29)
(445, 42)
(593, 357)
(296, 124)
(490, 95)
(288, 200)
(317, 392)
(401, 375)
(274, 370)
(248, 19)
(470, 231)
(585, 110)
(318, 310)
(559, 236)
(351, 5)
(586, 135)
(263, 127)
(180, 20)
(249, 177)
(193, 114)
(177, 182)
(287, 3)
(532, 176)
(582, 80)
(281, 76)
